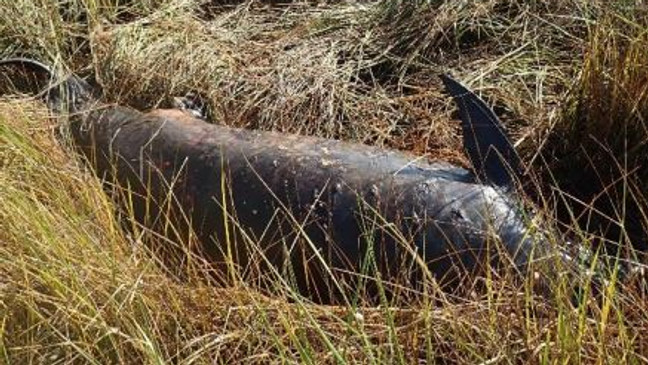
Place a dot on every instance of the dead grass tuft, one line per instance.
(603, 130)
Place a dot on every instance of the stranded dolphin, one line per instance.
(309, 208)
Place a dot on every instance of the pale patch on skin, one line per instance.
(185, 109)
(182, 116)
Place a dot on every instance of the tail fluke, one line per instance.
(70, 94)
(31, 65)
(492, 154)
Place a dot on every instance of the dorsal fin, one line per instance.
(492, 154)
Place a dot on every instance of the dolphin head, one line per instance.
(492, 202)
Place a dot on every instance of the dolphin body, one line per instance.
(314, 208)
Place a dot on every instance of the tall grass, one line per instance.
(76, 287)
(603, 130)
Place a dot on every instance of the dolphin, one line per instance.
(322, 214)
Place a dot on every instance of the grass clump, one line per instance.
(65, 272)
(603, 130)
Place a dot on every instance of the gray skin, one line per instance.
(443, 222)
